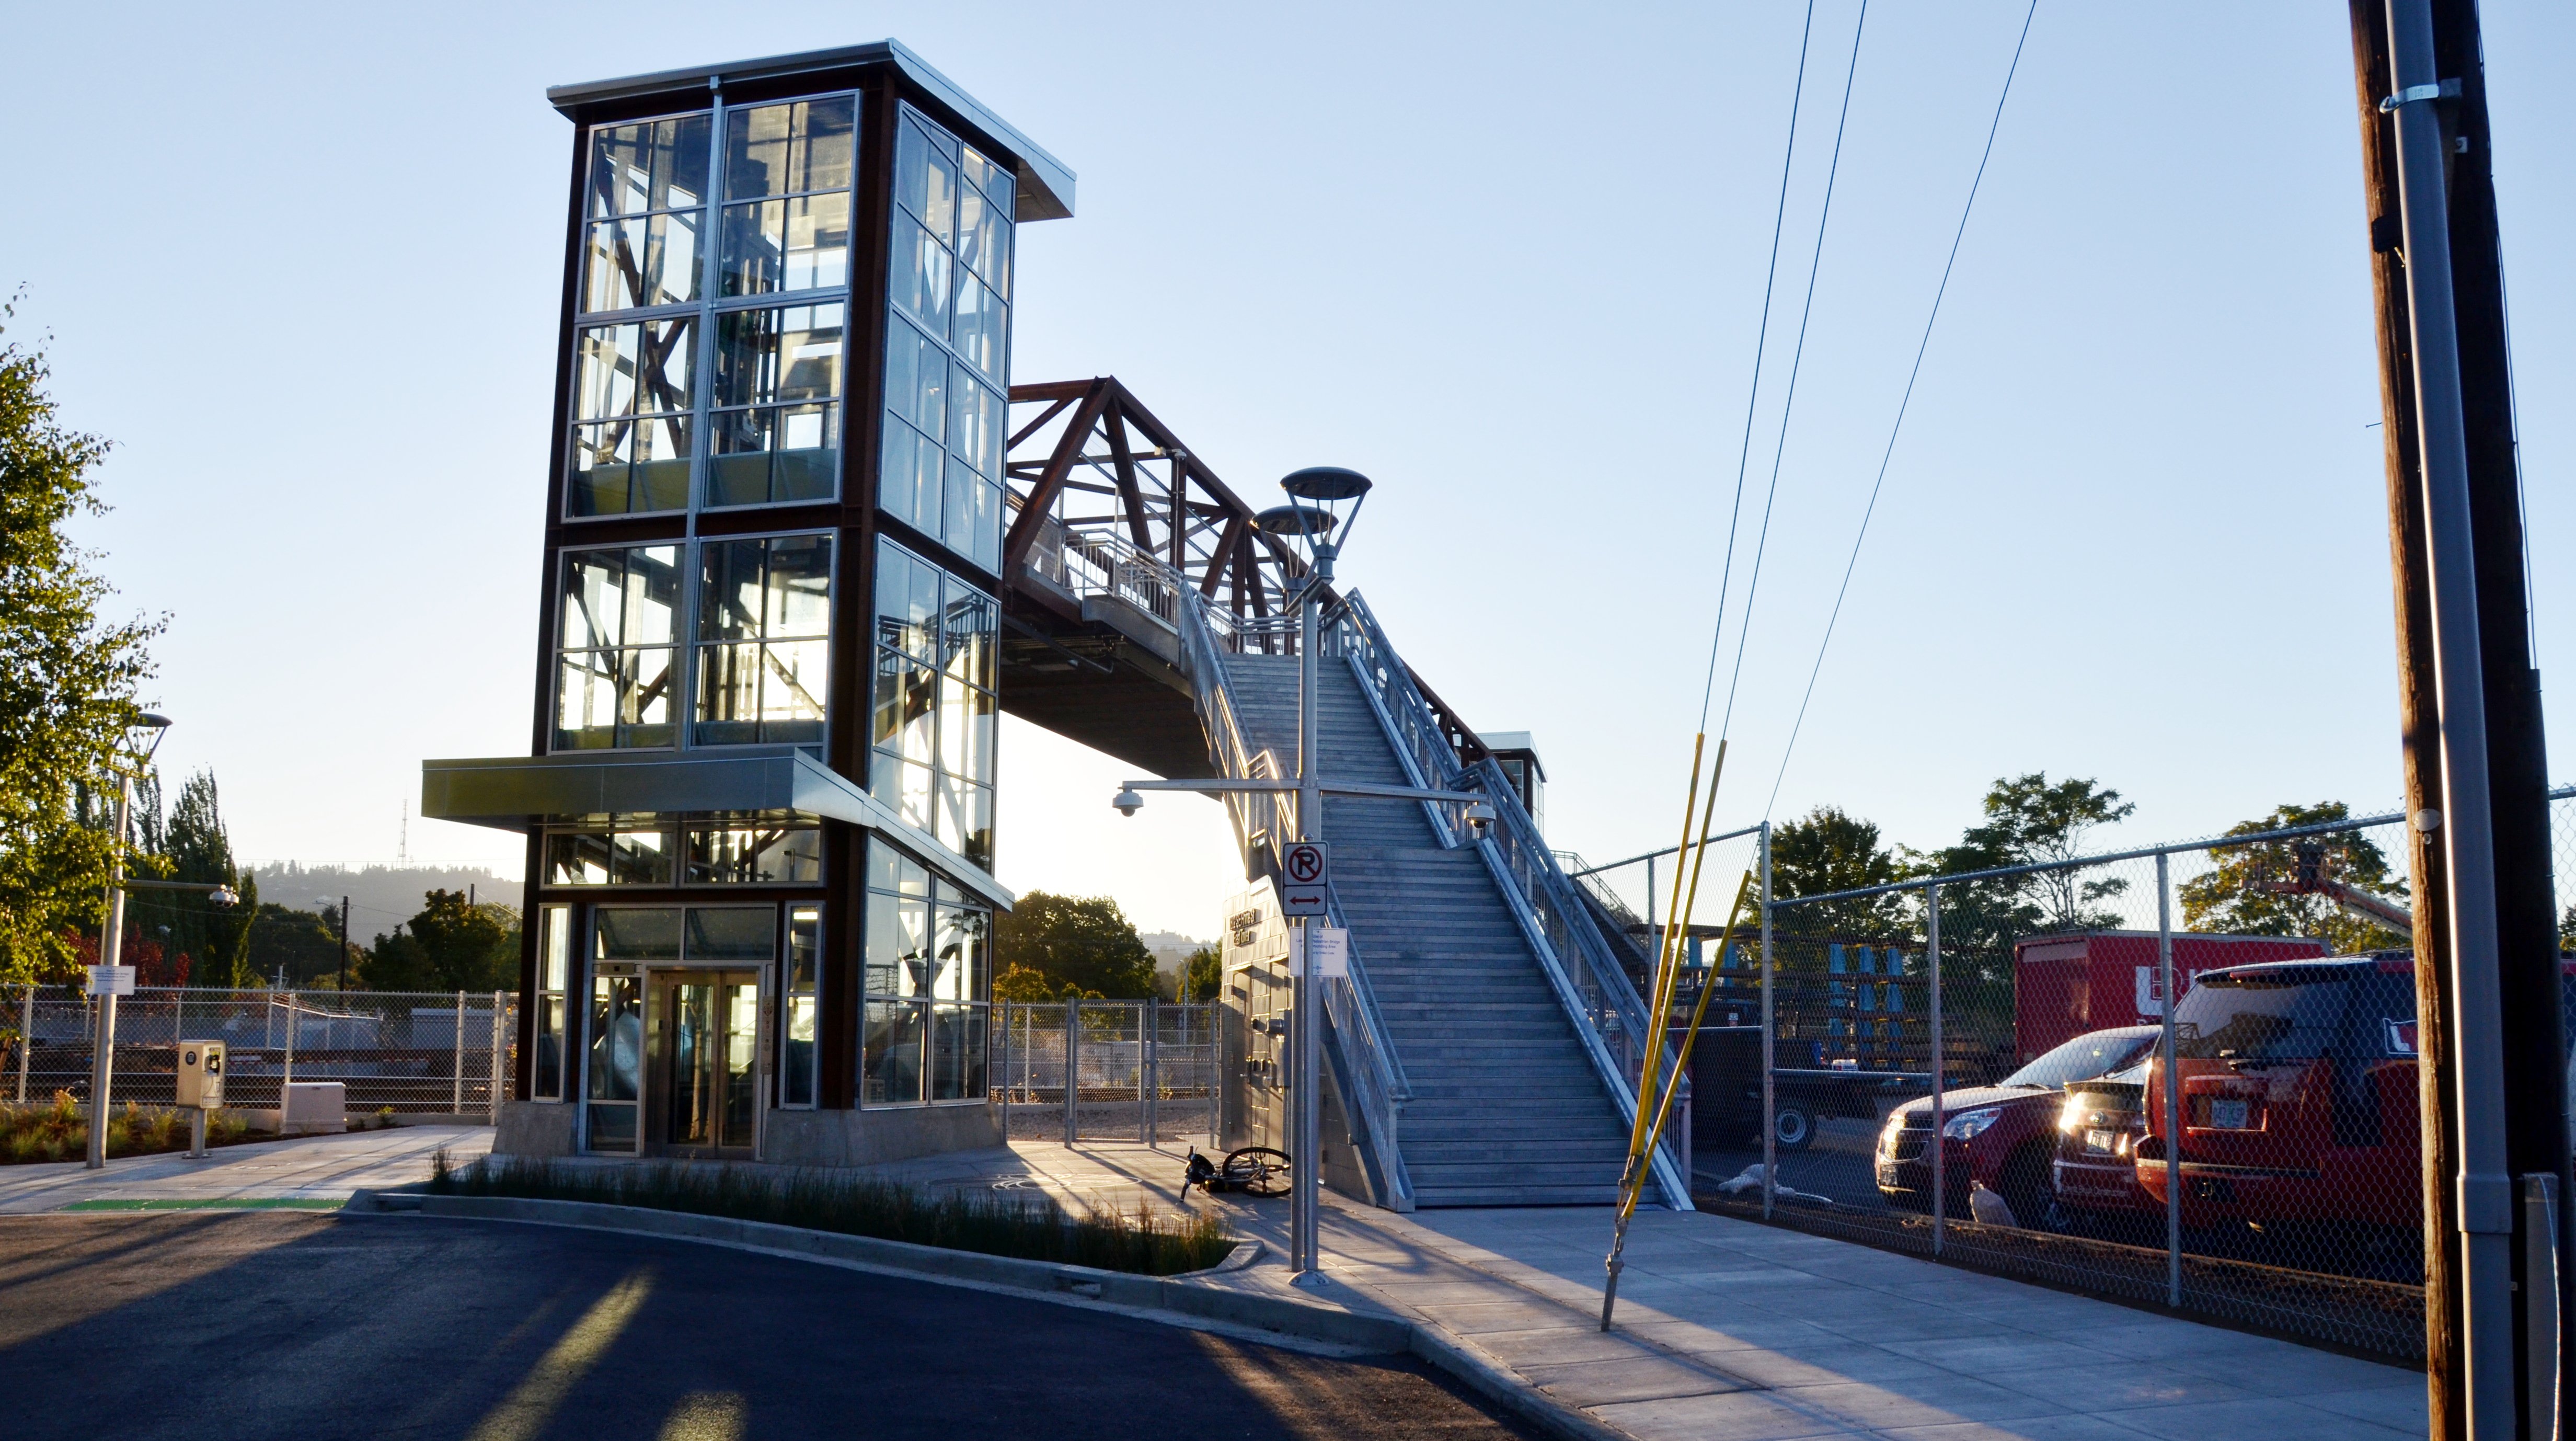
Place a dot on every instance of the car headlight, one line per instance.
(1971, 1125)
(2070, 1117)
(1888, 1133)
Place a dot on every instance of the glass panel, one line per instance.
(804, 942)
(655, 165)
(981, 329)
(554, 953)
(645, 698)
(967, 729)
(795, 679)
(761, 854)
(728, 711)
(741, 1064)
(733, 933)
(652, 596)
(797, 1083)
(798, 596)
(885, 866)
(919, 276)
(979, 827)
(729, 602)
(925, 178)
(632, 934)
(605, 361)
(784, 149)
(778, 245)
(641, 261)
(916, 379)
(600, 471)
(586, 701)
(661, 464)
(785, 353)
(975, 420)
(984, 239)
(948, 1053)
(890, 1058)
(616, 1040)
(908, 474)
(550, 1046)
(975, 1052)
(612, 1128)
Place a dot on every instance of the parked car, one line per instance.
(2095, 1172)
(2003, 1136)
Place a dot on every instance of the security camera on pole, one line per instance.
(1306, 883)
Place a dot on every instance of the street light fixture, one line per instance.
(110, 974)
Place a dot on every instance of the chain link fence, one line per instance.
(1143, 1070)
(437, 1053)
(1984, 1067)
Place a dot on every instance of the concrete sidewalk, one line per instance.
(300, 1168)
(1731, 1331)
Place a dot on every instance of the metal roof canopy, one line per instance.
(520, 793)
(1045, 183)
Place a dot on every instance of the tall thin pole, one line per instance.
(1305, 1031)
(1940, 1069)
(111, 954)
(1770, 1090)
(1072, 1064)
(2173, 1083)
(344, 943)
(26, 1037)
(2467, 831)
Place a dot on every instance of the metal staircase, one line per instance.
(1486, 1042)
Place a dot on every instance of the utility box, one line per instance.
(201, 1075)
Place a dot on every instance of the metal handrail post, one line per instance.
(111, 952)
(2173, 1084)
(1072, 1064)
(1940, 1069)
(457, 1107)
(1770, 1058)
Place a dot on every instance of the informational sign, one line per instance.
(1306, 876)
(111, 980)
(1330, 946)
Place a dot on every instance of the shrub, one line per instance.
(1029, 1227)
(59, 1131)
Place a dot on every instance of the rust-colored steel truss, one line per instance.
(1086, 457)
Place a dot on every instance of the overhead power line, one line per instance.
(1902, 405)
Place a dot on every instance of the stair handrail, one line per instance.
(1576, 958)
(1372, 1076)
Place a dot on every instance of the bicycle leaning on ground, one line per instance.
(1252, 1170)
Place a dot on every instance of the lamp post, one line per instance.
(1314, 519)
(109, 975)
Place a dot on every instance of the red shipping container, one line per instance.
(2067, 984)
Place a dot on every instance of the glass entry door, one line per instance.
(704, 1092)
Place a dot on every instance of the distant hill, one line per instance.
(380, 897)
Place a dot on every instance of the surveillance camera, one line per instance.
(1128, 802)
(1480, 815)
(224, 896)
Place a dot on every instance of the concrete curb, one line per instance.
(1179, 1296)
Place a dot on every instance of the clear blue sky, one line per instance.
(302, 264)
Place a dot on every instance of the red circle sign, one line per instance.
(1305, 863)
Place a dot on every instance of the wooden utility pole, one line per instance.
(2531, 1040)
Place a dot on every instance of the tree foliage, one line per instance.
(2251, 893)
(197, 848)
(1830, 850)
(299, 948)
(67, 681)
(2029, 820)
(448, 946)
(1202, 975)
(1082, 942)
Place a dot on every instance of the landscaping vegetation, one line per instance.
(60, 1131)
(1029, 1227)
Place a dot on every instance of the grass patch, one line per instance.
(59, 1131)
(1029, 1227)
(214, 1203)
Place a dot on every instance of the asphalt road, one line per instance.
(207, 1326)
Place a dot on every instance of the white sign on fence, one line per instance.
(111, 980)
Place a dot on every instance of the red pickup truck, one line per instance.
(2298, 1096)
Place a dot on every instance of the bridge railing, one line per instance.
(1371, 1075)
(1581, 967)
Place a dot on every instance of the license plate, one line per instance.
(2229, 1115)
(2098, 1143)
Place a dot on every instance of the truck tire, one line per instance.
(1793, 1125)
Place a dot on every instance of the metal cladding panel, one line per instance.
(518, 793)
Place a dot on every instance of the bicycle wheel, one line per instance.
(1257, 1171)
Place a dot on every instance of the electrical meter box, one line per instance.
(201, 1074)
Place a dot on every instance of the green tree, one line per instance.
(300, 947)
(1202, 975)
(67, 681)
(1830, 850)
(1084, 942)
(1019, 983)
(2030, 820)
(197, 848)
(2252, 892)
(448, 946)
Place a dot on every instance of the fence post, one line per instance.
(2173, 1105)
(1770, 1021)
(457, 1108)
(1149, 1067)
(26, 1037)
(492, 1107)
(1940, 1067)
(1072, 1055)
(288, 1078)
